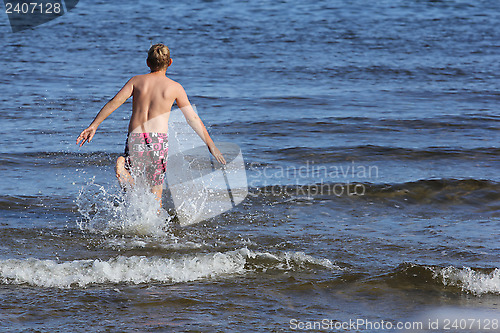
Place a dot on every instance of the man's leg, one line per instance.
(124, 177)
(158, 177)
(157, 190)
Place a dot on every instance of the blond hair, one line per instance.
(158, 57)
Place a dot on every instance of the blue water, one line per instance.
(406, 89)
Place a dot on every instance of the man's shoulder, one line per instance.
(172, 82)
(137, 78)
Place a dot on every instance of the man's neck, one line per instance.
(160, 72)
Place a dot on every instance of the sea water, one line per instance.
(369, 132)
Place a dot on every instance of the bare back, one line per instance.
(153, 97)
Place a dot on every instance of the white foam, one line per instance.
(290, 260)
(140, 269)
(135, 270)
(470, 280)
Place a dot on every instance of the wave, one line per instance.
(219, 265)
(326, 154)
(474, 192)
(384, 71)
(104, 210)
(326, 125)
(484, 125)
(476, 281)
(141, 269)
(33, 202)
(57, 159)
(335, 154)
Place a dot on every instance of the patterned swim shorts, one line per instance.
(146, 156)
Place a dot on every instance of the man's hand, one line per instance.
(86, 135)
(217, 154)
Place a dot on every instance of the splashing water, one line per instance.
(134, 212)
